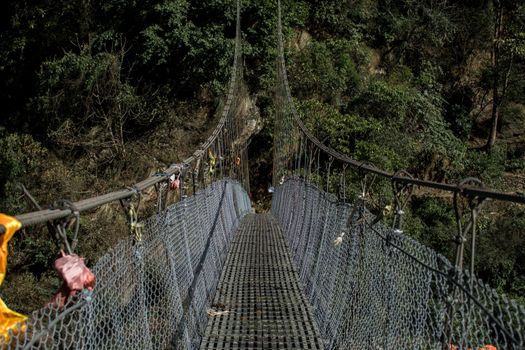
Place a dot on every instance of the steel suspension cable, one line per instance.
(41, 216)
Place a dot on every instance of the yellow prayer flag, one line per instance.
(8, 318)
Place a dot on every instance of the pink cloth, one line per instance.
(76, 276)
(174, 182)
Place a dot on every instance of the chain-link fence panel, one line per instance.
(375, 288)
(151, 293)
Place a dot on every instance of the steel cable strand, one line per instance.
(41, 216)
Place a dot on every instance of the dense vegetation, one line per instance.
(97, 94)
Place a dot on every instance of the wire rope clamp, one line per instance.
(61, 226)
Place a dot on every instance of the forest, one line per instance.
(99, 94)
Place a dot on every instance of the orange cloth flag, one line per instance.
(8, 318)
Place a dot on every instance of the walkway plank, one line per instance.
(259, 303)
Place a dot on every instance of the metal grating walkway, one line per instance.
(259, 303)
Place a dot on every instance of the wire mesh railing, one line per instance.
(151, 293)
(379, 289)
(152, 290)
(371, 285)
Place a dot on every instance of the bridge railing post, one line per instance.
(402, 193)
(464, 227)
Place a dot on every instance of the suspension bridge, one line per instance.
(320, 271)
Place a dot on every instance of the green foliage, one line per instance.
(432, 221)
(400, 75)
(340, 131)
(15, 291)
(389, 102)
(462, 122)
(500, 259)
(415, 128)
(85, 104)
(20, 156)
(376, 153)
(328, 69)
(211, 56)
(403, 113)
(342, 18)
(412, 29)
(488, 166)
(199, 48)
(295, 13)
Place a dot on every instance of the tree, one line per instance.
(410, 31)
(87, 104)
(508, 41)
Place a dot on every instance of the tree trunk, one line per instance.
(494, 122)
(496, 98)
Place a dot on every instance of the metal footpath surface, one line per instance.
(259, 303)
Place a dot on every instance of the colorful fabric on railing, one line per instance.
(76, 276)
(8, 318)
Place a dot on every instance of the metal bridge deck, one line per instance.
(259, 303)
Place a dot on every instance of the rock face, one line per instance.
(249, 117)
(300, 40)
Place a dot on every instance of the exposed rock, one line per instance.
(300, 40)
(250, 117)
